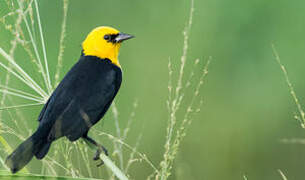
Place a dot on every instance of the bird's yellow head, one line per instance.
(104, 42)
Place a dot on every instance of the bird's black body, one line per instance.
(81, 99)
(79, 102)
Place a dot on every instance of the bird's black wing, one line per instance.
(81, 99)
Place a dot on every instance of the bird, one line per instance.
(80, 100)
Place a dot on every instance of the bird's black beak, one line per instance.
(122, 37)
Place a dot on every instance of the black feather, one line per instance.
(80, 101)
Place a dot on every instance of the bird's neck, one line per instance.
(113, 56)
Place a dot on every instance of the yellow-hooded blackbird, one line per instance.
(80, 100)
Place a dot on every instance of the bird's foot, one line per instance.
(96, 157)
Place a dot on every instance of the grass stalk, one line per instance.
(132, 158)
(41, 69)
(245, 177)
(116, 171)
(20, 106)
(108, 162)
(28, 80)
(14, 43)
(19, 95)
(49, 86)
(20, 92)
(117, 147)
(282, 175)
(173, 103)
(141, 155)
(290, 86)
(61, 42)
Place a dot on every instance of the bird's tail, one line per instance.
(42, 150)
(25, 152)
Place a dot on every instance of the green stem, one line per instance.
(108, 162)
(116, 171)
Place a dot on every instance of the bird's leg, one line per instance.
(99, 147)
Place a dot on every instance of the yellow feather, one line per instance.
(96, 45)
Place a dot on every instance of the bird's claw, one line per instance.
(105, 150)
(97, 155)
(100, 164)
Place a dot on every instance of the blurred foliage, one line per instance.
(247, 107)
(7, 176)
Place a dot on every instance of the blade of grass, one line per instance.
(282, 175)
(49, 86)
(6, 146)
(116, 171)
(3, 164)
(26, 77)
(245, 177)
(14, 42)
(20, 92)
(34, 45)
(19, 95)
(107, 161)
(20, 106)
(16, 75)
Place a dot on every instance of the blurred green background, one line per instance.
(247, 108)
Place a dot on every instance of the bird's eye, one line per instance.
(107, 37)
